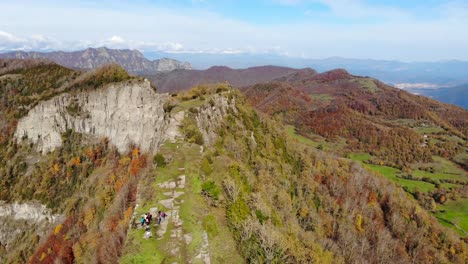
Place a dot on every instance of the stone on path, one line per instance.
(181, 181)
(188, 238)
(168, 203)
(167, 185)
(204, 254)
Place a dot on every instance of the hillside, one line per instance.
(184, 79)
(131, 60)
(235, 185)
(413, 140)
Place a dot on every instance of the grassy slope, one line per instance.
(318, 142)
(194, 211)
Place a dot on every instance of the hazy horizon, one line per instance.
(406, 31)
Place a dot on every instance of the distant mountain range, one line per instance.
(184, 79)
(131, 60)
(449, 77)
(441, 73)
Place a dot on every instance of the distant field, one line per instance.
(291, 130)
(321, 97)
(368, 84)
(461, 158)
(449, 214)
(391, 173)
(455, 212)
(443, 169)
(428, 129)
(318, 142)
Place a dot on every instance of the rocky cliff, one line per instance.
(131, 60)
(125, 113)
(19, 218)
(211, 115)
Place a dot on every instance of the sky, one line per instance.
(407, 30)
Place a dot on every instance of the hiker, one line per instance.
(163, 215)
(147, 219)
(150, 217)
(142, 220)
(159, 217)
(147, 233)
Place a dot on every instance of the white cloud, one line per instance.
(400, 36)
(116, 40)
(10, 42)
(6, 37)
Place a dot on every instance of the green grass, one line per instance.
(139, 250)
(403, 122)
(443, 169)
(430, 129)
(148, 250)
(186, 105)
(291, 131)
(454, 139)
(391, 173)
(360, 156)
(193, 211)
(321, 97)
(449, 185)
(368, 84)
(318, 142)
(462, 158)
(455, 212)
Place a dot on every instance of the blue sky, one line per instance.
(409, 30)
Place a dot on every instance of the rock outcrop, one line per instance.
(33, 212)
(16, 218)
(125, 113)
(166, 65)
(210, 116)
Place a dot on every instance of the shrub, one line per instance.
(211, 189)
(261, 217)
(210, 225)
(206, 166)
(159, 160)
(191, 132)
(168, 106)
(237, 211)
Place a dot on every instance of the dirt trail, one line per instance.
(178, 239)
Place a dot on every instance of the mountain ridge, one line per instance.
(183, 79)
(91, 58)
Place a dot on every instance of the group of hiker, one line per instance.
(146, 220)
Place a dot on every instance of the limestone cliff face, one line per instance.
(33, 212)
(130, 112)
(17, 218)
(209, 116)
(166, 65)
